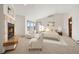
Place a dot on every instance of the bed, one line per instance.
(51, 35)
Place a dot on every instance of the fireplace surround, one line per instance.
(12, 41)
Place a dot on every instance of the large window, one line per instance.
(30, 26)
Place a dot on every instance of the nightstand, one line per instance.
(60, 33)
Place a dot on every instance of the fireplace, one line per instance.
(10, 30)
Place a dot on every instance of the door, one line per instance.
(70, 26)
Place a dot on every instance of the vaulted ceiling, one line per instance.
(37, 11)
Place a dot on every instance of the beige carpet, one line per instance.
(48, 48)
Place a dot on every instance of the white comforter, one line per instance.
(51, 35)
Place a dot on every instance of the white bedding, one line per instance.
(51, 35)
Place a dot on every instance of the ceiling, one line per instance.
(37, 11)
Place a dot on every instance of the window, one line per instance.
(30, 25)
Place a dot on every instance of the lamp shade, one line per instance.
(59, 29)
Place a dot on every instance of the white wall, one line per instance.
(2, 24)
(65, 25)
(2, 29)
(60, 21)
(20, 25)
(75, 23)
(26, 26)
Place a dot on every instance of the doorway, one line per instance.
(70, 26)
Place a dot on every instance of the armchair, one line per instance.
(36, 42)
